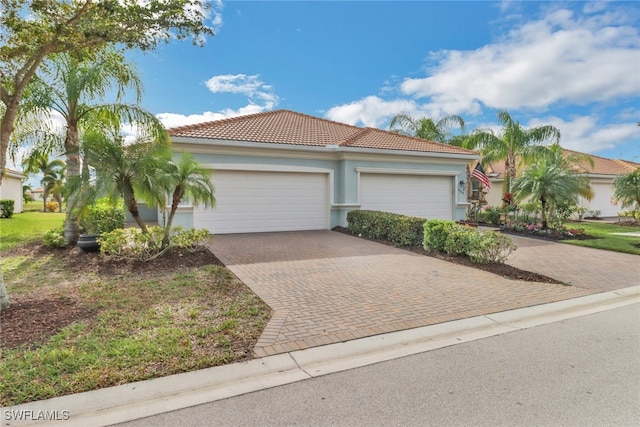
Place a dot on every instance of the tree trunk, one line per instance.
(132, 207)
(543, 213)
(175, 201)
(72, 151)
(4, 297)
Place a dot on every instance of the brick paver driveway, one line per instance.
(327, 287)
(577, 266)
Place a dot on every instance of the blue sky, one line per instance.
(575, 65)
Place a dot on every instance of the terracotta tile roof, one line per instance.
(291, 128)
(604, 166)
(601, 165)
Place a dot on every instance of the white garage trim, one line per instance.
(265, 198)
(427, 194)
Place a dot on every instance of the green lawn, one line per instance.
(605, 237)
(27, 226)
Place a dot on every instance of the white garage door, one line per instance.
(414, 195)
(251, 202)
(601, 200)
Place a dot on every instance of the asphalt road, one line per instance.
(577, 372)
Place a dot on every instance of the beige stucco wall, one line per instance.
(11, 188)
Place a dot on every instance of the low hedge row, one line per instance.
(400, 230)
(482, 247)
(6, 208)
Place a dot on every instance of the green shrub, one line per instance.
(407, 231)
(191, 240)
(54, 238)
(6, 208)
(489, 247)
(490, 215)
(102, 217)
(435, 234)
(371, 224)
(458, 239)
(131, 244)
(400, 230)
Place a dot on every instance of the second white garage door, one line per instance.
(252, 202)
(424, 196)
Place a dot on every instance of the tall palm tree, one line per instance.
(38, 162)
(185, 178)
(551, 181)
(513, 144)
(626, 189)
(75, 85)
(427, 128)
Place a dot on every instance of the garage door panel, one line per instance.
(251, 201)
(414, 195)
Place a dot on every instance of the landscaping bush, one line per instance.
(102, 217)
(435, 234)
(6, 208)
(407, 231)
(133, 244)
(489, 247)
(400, 230)
(458, 240)
(52, 206)
(481, 247)
(54, 238)
(490, 215)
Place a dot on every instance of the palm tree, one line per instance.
(38, 162)
(54, 184)
(127, 171)
(551, 181)
(513, 144)
(71, 85)
(626, 189)
(181, 179)
(427, 128)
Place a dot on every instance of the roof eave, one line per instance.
(323, 149)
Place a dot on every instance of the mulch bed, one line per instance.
(31, 319)
(503, 270)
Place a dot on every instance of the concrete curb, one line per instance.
(145, 398)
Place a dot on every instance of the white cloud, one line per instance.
(560, 58)
(260, 97)
(371, 111)
(586, 134)
(171, 120)
(249, 85)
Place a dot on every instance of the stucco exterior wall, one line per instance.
(342, 166)
(11, 188)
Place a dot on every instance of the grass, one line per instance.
(144, 326)
(27, 226)
(605, 239)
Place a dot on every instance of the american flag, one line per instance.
(478, 173)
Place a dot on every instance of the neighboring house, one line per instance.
(37, 193)
(11, 188)
(601, 177)
(283, 170)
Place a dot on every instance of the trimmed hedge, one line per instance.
(6, 208)
(400, 230)
(481, 247)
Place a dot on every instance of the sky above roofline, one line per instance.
(575, 65)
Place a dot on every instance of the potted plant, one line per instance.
(101, 217)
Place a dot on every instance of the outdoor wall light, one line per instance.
(461, 184)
